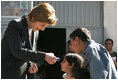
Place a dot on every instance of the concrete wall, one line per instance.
(110, 21)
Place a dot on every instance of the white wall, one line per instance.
(110, 21)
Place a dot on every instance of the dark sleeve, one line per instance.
(15, 45)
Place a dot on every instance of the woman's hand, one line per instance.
(50, 58)
(33, 68)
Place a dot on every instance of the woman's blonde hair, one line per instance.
(43, 12)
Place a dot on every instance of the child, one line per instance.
(72, 65)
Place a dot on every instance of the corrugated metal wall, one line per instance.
(73, 14)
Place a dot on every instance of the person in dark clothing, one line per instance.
(18, 55)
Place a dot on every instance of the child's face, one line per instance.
(70, 47)
(65, 66)
(75, 45)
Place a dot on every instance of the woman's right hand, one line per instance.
(50, 58)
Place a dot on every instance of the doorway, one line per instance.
(52, 40)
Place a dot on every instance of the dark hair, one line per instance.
(81, 33)
(74, 58)
(108, 39)
(68, 42)
(77, 71)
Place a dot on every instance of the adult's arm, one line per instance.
(15, 45)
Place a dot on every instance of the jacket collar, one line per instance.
(24, 20)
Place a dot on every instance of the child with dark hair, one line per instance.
(70, 49)
(72, 65)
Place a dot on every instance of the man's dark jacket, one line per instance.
(16, 51)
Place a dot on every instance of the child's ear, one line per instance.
(72, 65)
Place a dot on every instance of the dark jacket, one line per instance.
(16, 51)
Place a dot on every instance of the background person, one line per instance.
(109, 45)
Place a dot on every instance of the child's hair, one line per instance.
(108, 39)
(77, 71)
(43, 12)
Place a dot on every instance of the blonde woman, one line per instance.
(17, 52)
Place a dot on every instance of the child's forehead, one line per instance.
(65, 60)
